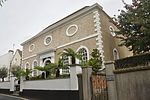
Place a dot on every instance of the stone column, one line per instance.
(112, 94)
(21, 83)
(12, 84)
(80, 85)
(86, 75)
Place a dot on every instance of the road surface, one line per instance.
(9, 97)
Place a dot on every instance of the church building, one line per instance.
(87, 29)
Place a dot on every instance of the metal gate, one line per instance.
(99, 87)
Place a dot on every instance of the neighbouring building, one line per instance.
(17, 58)
(86, 29)
(5, 61)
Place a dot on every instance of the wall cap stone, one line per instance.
(132, 69)
(109, 62)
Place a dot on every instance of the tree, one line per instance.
(1, 2)
(95, 61)
(134, 26)
(71, 53)
(16, 71)
(26, 73)
(3, 73)
(48, 69)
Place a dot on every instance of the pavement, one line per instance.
(10, 97)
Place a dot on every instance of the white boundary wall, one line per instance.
(4, 85)
(54, 84)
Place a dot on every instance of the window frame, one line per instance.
(115, 56)
(48, 36)
(83, 47)
(111, 29)
(34, 69)
(73, 33)
(30, 50)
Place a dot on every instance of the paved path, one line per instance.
(9, 97)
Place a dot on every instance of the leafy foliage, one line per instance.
(134, 26)
(95, 60)
(1, 2)
(3, 73)
(26, 73)
(48, 69)
(71, 53)
(18, 72)
(60, 63)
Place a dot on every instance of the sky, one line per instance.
(22, 19)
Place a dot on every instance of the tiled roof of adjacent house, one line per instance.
(20, 52)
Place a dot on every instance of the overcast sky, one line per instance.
(22, 19)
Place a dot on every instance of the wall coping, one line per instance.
(131, 69)
(109, 62)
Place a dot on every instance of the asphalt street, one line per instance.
(8, 97)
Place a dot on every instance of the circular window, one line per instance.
(47, 40)
(71, 30)
(31, 47)
(112, 31)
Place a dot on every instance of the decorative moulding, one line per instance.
(48, 40)
(99, 41)
(75, 29)
(31, 47)
(112, 31)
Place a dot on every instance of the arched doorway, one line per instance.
(47, 61)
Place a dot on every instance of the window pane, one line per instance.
(83, 52)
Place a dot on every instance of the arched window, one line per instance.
(66, 69)
(112, 31)
(85, 54)
(115, 54)
(65, 60)
(34, 72)
(27, 65)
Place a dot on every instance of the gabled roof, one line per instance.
(64, 20)
(19, 51)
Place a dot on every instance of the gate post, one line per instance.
(80, 85)
(112, 93)
(86, 74)
(21, 84)
(74, 71)
(12, 84)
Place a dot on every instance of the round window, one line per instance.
(71, 30)
(112, 31)
(47, 40)
(31, 47)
